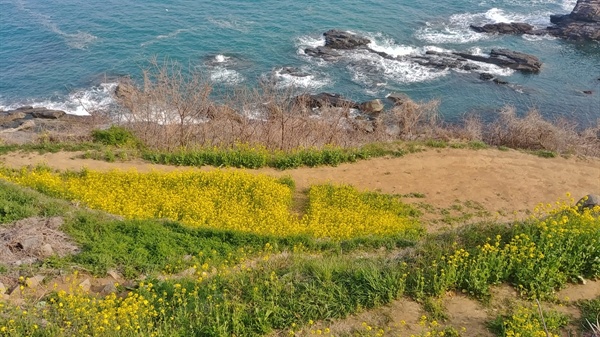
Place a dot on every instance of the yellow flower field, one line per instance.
(229, 200)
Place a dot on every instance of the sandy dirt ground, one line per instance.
(501, 181)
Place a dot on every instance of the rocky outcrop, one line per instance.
(490, 77)
(325, 53)
(398, 98)
(337, 39)
(325, 99)
(515, 28)
(336, 42)
(23, 125)
(23, 112)
(582, 24)
(508, 59)
(372, 107)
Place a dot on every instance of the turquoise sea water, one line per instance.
(66, 54)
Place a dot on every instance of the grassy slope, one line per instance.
(260, 283)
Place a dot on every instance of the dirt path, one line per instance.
(505, 181)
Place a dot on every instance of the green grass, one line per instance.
(590, 314)
(17, 203)
(545, 154)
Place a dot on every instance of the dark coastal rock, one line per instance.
(508, 59)
(492, 78)
(398, 98)
(486, 76)
(322, 52)
(372, 107)
(444, 61)
(28, 112)
(586, 11)
(46, 113)
(325, 99)
(291, 71)
(338, 39)
(515, 28)
(576, 31)
(582, 24)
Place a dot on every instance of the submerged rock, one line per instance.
(508, 59)
(325, 99)
(516, 28)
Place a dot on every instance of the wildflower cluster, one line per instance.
(218, 199)
(342, 212)
(527, 321)
(543, 254)
(228, 200)
(77, 313)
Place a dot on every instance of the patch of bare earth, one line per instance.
(33, 239)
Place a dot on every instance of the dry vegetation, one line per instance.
(170, 110)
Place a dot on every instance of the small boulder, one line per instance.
(46, 250)
(589, 201)
(85, 285)
(398, 98)
(47, 113)
(109, 288)
(33, 282)
(373, 107)
(486, 76)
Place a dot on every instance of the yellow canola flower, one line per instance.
(228, 200)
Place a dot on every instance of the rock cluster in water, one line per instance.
(336, 40)
(582, 24)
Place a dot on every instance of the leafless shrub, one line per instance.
(412, 120)
(164, 112)
(534, 132)
(172, 109)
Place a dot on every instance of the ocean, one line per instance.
(67, 54)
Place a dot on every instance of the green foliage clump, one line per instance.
(17, 203)
(590, 314)
(115, 136)
(527, 321)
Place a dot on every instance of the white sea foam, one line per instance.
(457, 30)
(225, 76)
(374, 71)
(80, 102)
(493, 69)
(305, 79)
(389, 46)
(221, 58)
(538, 37)
(308, 41)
